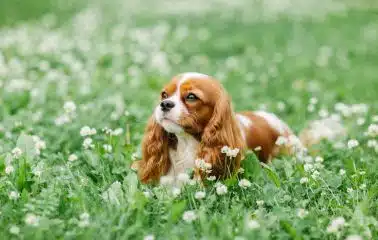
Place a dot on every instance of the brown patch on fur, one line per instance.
(260, 134)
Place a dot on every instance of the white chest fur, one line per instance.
(184, 156)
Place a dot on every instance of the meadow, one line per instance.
(79, 80)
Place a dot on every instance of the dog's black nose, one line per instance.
(166, 105)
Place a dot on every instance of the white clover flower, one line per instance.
(61, 120)
(253, 224)
(117, 132)
(211, 178)
(353, 143)
(225, 149)
(221, 189)
(372, 143)
(258, 148)
(315, 174)
(13, 195)
(303, 180)
(372, 130)
(342, 172)
(69, 107)
(72, 157)
(15, 230)
(176, 192)
(108, 148)
(87, 144)
(363, 186)
(189, 216)
(233, 153)
(241, 170)
(244, 183)
(17, 153)
(281, 141)
(335, 225)
(147, 194)
(200, 195)
(308, 167)
(32, 219)
(149, 237)
(260, 203)
(354, 237)
(201, 164)
(350, 190)
(319, 159)
(361, 121)
(87, 131)
(166, 180)
(84, 220)
(302, 213)
(183, 178)
(9, 169)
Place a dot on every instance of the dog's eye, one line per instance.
(191, 97)
(164, 95)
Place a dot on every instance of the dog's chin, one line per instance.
(171, 126)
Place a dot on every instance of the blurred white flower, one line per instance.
(372, 130)
(108, 148)
(13, 195)
(335, 225)
(87, 144)
(17, 153)
(253, 224)
(147, 194)
(308, 167)
(303, 180)
(221, 189)
(260, 203)
(281, 141)
(363, 186)
(69, 107)
(354, 237)
(9, 169)
(183, 178)
(117, 132)
(32, 219)
(176, 192)
(189, 216)
(350, 190)
(342, 172)
(84, 220)
(244, 183)
(229, 151)
(319, 159)
(302, 213)
(87, 131)
(211, 178)
(166, 180)
(200, 195)
(15, 230)
(241, 170)
(352, 143)
(72, 157)
(149, 237)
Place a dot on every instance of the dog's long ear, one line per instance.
(155, 153)
(222, 130)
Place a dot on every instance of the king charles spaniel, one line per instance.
(195, 120)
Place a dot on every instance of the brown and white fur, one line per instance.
(194, 120)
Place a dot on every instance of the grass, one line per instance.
(110, 61)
